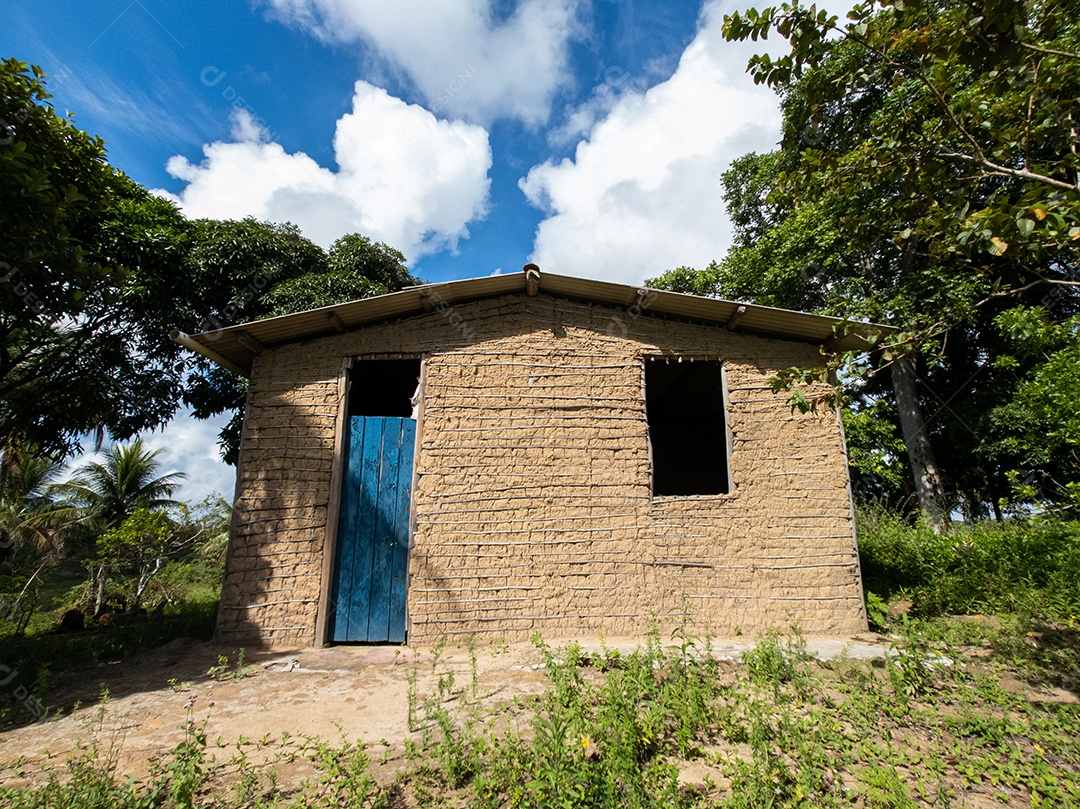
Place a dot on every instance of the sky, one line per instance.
(587, 136)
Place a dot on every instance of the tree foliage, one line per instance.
(34, 527)
(95, 272)
(232, 267)
(30, 515)
(89, 272)
(139, 547)
(957, 119)
(1040, 422)
(110, 490)
(927, 178)
(356, 267)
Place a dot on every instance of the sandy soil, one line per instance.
(355, 692)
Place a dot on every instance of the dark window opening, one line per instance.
(684, 404)
(383, 387)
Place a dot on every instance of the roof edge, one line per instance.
(235, 347)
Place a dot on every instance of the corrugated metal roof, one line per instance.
(235, 347)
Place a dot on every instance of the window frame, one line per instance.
(728, 434)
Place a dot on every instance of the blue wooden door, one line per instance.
(368, 597)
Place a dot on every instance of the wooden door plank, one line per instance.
(400, 551)
(360, 602)
(379, 616)
(346, 545)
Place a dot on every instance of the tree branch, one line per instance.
(1048, 51)
(1004, 171)
(1030, 115)
(979, 157)
(1041, 281)
(919, 76)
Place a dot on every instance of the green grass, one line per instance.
(671, 726)
(1012, 567)
(961, 710)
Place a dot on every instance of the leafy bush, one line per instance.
(896, 554)
(773, 662)
(1017, 566)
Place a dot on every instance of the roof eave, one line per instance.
(235, 347)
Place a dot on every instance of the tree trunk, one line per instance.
(924, 466)
(99, 596)
(146, 575)
(24, 620)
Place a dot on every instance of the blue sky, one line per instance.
(585, 135)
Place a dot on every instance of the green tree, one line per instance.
(127, 478)
(375, 261)
(1040, 422)
(356, 267)
(970, 103)
(34, 523)
(927, 178)
(90, 270)
(110, 491)
(139, 547)
(29, 511)
(233, 266)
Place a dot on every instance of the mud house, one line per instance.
(533, 452)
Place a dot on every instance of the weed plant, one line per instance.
(1023, 566)
(961, 710)
(940, 721)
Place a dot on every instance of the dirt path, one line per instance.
(351, 692)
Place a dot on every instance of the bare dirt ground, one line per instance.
(282, 701)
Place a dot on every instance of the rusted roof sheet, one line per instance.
(235, 347)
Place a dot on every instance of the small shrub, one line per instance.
(344, 777)
(883, 788)
(1018, 566)
(775, 662)
(877, 610)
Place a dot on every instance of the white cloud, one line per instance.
(186, 445)
(461, 57)
(85, 88)
(246, 128)
(642, 194)
(404, 177)
(189, 445)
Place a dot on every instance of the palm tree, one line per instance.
(27, 502)
(33, 521)
(108, 492)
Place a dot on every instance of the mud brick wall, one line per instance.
(532, 507)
